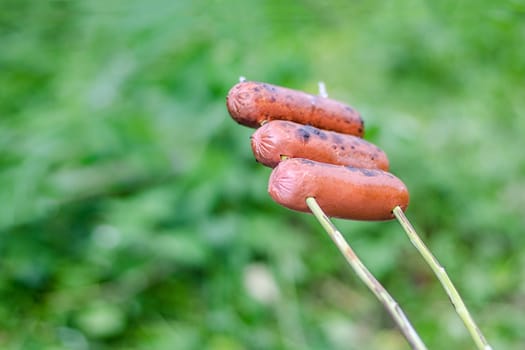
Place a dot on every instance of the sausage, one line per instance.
(342, 191)
(283, 138)
(252, 103)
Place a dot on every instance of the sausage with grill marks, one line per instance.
(253, 103)
(280, 138)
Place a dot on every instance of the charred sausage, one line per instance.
(280, 138)
(254, 103)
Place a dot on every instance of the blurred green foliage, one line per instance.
(133, 215)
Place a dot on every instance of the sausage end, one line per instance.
(240, 103)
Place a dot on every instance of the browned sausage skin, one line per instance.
(342, 191)
(253, 103)
(279, 138)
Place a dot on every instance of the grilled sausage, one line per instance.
(253, 103)
(342, 191)
(283, 138)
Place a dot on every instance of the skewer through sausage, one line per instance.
(279, 138)
(252, 104)
(342, 191)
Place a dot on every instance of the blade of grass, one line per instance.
(366, 276)
(442, 276)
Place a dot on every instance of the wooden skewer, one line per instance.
(366, 276)
(445, 281)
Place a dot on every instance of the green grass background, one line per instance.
(133, 214)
